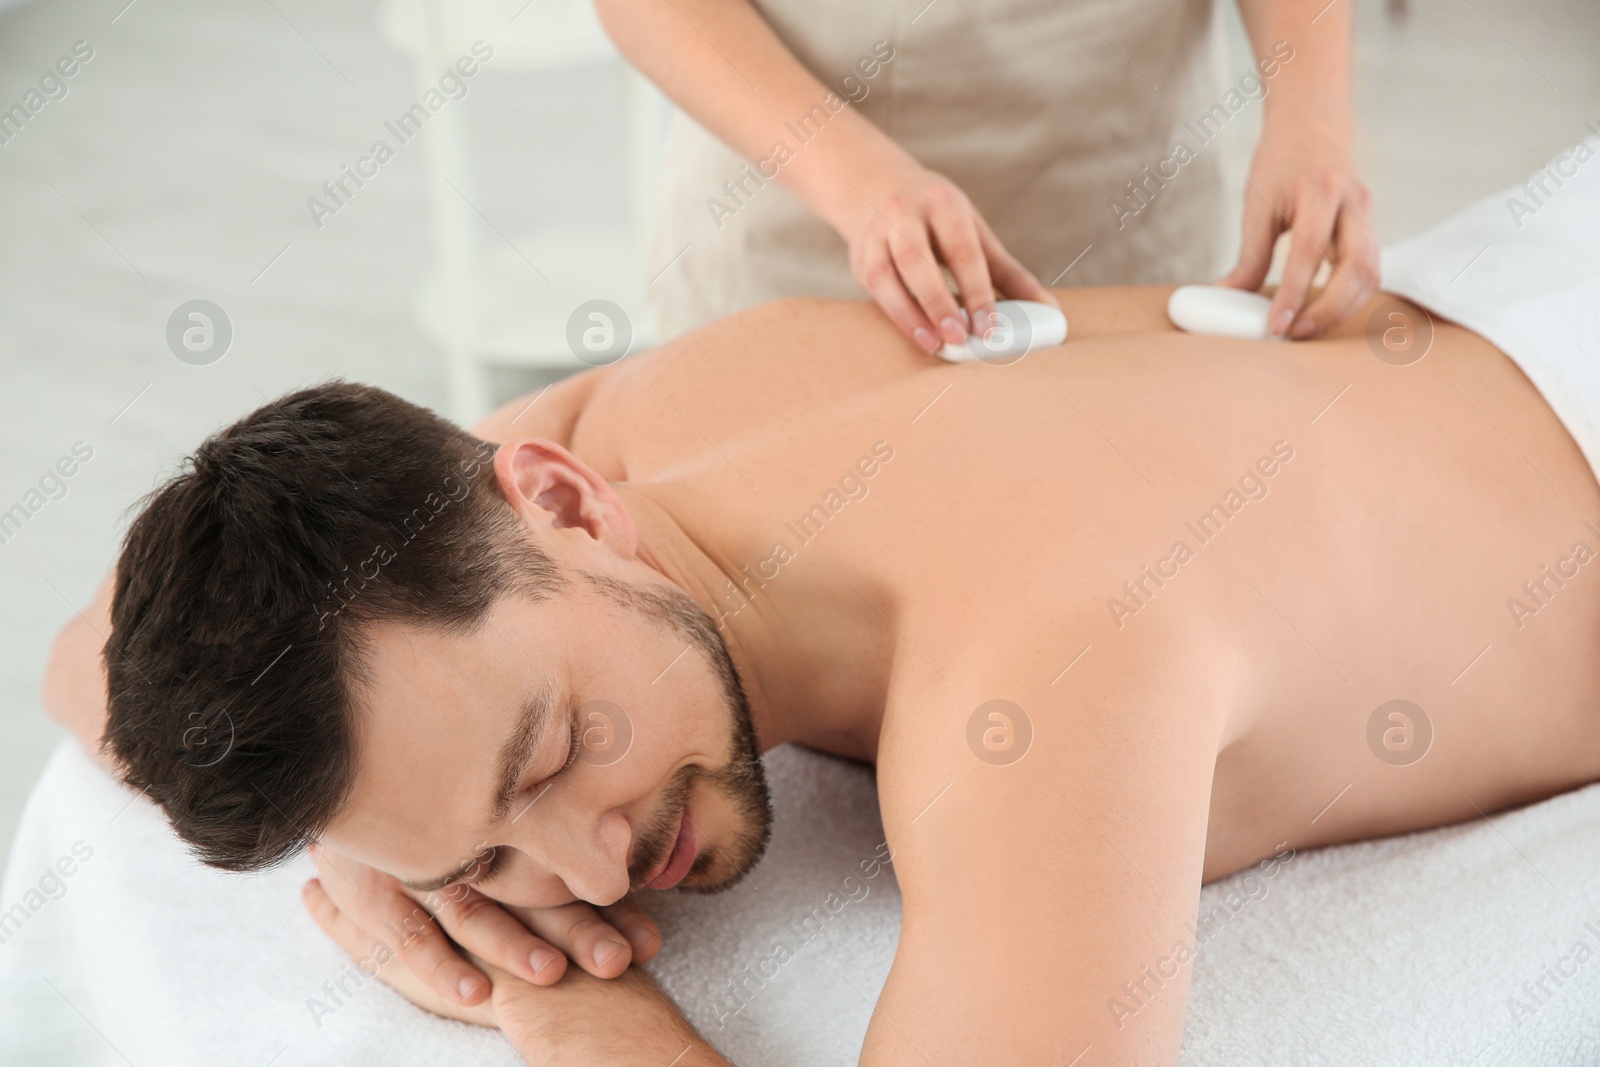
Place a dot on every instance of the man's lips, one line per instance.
(677, 863)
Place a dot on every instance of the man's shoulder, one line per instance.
(736, 378)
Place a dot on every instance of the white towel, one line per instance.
(1522, 268)
(1415, 950)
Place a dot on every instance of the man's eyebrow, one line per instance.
(515, 752)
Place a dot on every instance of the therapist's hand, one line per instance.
(917, 220)
(1303, 181)
(532, 943)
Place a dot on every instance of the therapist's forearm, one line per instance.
(1313, 90)
(722, 63)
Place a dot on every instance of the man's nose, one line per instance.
(586, 862)
(594, 864)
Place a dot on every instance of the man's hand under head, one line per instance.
(572, 1017)
(533, 944)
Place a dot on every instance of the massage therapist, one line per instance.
(832, 147)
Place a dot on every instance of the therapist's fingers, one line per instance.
(1009, 275)
(1262, 224)
(1312, 227)
(1355, 277)
(487, 930)
(913, 257)
(876, 273)
(955, 232)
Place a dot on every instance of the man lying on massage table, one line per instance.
(1112, 621)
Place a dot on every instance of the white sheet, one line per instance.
(1405, 951)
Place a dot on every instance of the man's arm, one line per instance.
(551, 413)
(1048, 901)
(621, 1022)
(73, 688)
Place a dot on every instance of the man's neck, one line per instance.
(814, 660)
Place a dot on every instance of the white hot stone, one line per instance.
(1219, 310)
(1022, 326)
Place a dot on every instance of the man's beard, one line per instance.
(742, 780)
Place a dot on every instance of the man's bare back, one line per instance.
(1352, 533)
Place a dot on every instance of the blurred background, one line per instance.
(178, 162)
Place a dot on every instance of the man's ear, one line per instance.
(545, 482)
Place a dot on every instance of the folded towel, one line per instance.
(1522, 268)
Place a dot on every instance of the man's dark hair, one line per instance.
(243, 589)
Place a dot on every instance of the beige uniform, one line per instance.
(1042, 111)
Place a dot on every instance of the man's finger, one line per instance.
(957, 239)
(424, 950)
(641, 931)
(1262, 224)
(881, 280)
(377, 902)
(1313, 230)
(362, 947)
(333, 922)
(420, 946)
(580, 932)
(484, 928)
(1355, 276)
